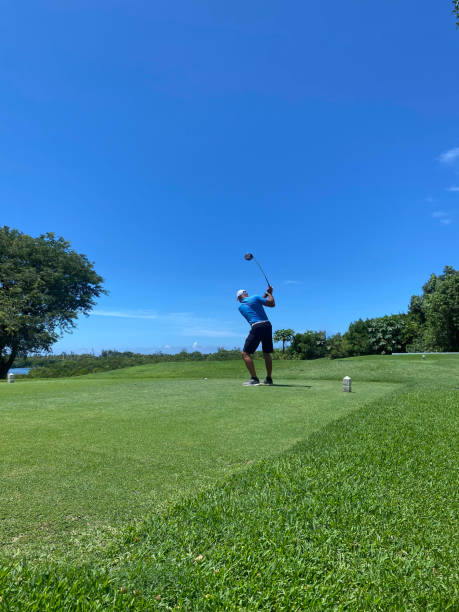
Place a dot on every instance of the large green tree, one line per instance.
(44, 286)
(456, 11)
(436, 311)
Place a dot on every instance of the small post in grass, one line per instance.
(11, 377)
(347, 384)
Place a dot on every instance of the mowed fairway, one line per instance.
(152, 488)
(99, 451)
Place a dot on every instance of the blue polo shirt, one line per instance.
(252, 309)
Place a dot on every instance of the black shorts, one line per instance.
(260, 332)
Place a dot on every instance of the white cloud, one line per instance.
(293, 282)
(448, 157)
(453, 189)
(183, 323)
(210, 333)
(195, 345)
(442, 217)
(125, 314)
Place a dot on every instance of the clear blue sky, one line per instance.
(166, 139)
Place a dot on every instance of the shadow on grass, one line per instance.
(277, 385)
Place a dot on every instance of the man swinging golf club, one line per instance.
(260, 331)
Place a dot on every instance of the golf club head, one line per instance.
(249, 257)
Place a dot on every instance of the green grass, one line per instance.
(98, 451)
(307, 498)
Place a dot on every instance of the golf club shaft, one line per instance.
(262, 271)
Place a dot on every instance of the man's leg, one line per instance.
(249, 363)
(250, 346)
(269, 364)
(267, 346)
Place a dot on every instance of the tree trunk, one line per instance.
(6, 363)
(283, 344)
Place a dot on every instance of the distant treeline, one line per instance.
(431, 324)
(71, 364)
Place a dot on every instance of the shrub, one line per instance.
(310, 345)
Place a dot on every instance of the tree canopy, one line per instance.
(435, 313)
(310, 345)
(456, 11)
(44, 286)
(283, 335)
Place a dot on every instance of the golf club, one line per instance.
(249, 257)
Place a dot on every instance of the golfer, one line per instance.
(260, 331)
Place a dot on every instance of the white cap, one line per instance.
(240, 292)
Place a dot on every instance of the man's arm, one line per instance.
(270, 303)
